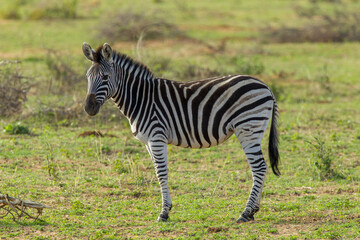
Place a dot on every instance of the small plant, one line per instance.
(121, 167)
(51, 168)
(51, 165)
(77, 205)
(323, 159)
(17, 129)
(324, 80)
(105, 150)
(78, 208)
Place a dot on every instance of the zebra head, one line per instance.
(101, 77)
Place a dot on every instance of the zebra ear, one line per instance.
(107, 52)
(88, 51)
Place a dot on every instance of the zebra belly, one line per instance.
(203, 144)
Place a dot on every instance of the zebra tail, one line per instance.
(274, 141)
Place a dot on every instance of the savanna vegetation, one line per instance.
(100, 181)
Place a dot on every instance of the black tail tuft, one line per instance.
(273, 142)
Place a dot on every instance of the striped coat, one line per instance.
(197, 114)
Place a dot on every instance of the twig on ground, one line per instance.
(18, 208)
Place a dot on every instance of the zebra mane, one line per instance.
(122, 59)
(126, 60)
(98, 55)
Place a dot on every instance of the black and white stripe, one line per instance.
(197, 114)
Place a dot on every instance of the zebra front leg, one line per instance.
(258, 167)
(158, 154)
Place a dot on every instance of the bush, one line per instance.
(13, 88)
(35, 10)
(10, 10)
(339, 25)
(63, 9)
(128, 25)
(66, 114)
(64, 75)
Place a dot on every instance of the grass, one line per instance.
(106, 188)
(91, 196)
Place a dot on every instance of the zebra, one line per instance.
(195, 114)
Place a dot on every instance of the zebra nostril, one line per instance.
(91, 106)
(92, 98)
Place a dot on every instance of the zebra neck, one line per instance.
(133, 88)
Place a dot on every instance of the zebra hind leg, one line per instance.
(251, 144)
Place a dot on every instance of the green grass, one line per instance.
(106, 188)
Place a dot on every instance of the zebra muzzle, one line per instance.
(91, 106)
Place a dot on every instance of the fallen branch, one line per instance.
(18, 208)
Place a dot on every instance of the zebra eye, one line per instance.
(105, 77)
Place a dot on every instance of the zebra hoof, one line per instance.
(243, 218)
(161, 219)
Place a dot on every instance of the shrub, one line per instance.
(64, 75)
(339, 25)
(35, 10)
(63, 9)
(64, 115)
(128, 25)
(13, 88)
(10, 10)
